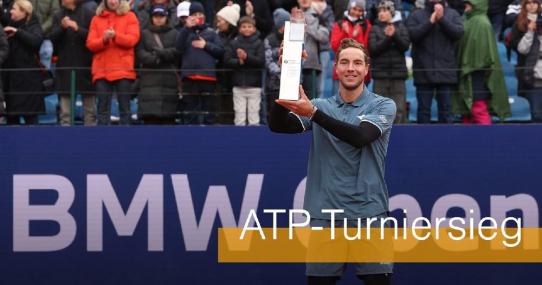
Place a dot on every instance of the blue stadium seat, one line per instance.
(521, 110)
(50, 117)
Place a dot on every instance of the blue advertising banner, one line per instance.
(142, 205)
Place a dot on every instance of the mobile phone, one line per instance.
(201, 21)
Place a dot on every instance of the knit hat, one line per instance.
(387, 4)
(183, 9)
(160, 9)
(196, 7)
(281, 16)
(230, 14)
(356, 3)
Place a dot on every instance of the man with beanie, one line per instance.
(226, 24)
(201, 47)
(272, 45)
(316, 34)
(433, 31)
(388, 42)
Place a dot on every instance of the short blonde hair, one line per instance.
(26, 7)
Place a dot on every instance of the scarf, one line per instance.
(532, 17)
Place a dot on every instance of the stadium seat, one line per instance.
(521, 110)
(50, 118)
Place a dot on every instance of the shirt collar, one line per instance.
(358, 102)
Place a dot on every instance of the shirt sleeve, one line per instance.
(382, 115)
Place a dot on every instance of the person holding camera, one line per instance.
(529, 48)
(526, 21)
(481, 89)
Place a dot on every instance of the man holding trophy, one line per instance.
(350, 135)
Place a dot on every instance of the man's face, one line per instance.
(351, 68)
(384, 15)
(304, 4)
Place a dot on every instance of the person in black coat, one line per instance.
(258, 10)
(433, 31)
(388, 43)
(246, 54)
(158, 96)
(145, 10)
(69, 34)
(4, 52)
(24, 87)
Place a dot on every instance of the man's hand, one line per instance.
(389, 30)
(301, 107)
(74, 26)
(298, 15)
(191, 21)
(303, 54)
(65, 22)
(241, 54)
(199, 43)
(440, 11)
(249, 9)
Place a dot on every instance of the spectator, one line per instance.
(183, 11)
(355, 26)
(5, 18)
(201, 47)
(481, 87)
(526, 20)
(246, 55)
(316, 34)
(529, 49)
(272, 46)
(69, 34)
(325, 16)
(388, 42)
(158, 96)
(4, 53)
(145, 9)
(511, 14)
(433, 32)
(113, 34)
(226, 23)
(373, 7)
(209, 6)
(338, 7)
(91, 5)
(496, 12)
(45, 9)
(24, 96)
(257, 9)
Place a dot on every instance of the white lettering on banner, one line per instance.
(23, 212)
(196, 235)
(100, 194)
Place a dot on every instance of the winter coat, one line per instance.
(115, 60)
(158, 96)
(515, 38)
(5, 17)
(248, 74)
(225, 78)
(477, 51)
(316, 34)
(262, 15)
(198, 61)
(4, 53)
(433, 52)
(145, 10)
(72, 50)
(388, 54)
(24, 88)
(338, 34)
(45, 10)
(272, 47)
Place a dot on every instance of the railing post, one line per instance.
(72, 98)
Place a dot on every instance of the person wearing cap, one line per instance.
(113, 34)
(145, 9)
(158, 97)
(69, 34)
(388, 42)
(201, 47)
(433, 31)
(272, 46)
(353, 25)
(258, 10)
(183, 11)
(226, 24)
(481, 90)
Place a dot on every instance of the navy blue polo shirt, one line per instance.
(341, 176)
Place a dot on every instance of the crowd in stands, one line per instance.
(205, 62)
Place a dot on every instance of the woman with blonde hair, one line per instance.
(23, 83)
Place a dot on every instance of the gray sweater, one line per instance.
(316, 34)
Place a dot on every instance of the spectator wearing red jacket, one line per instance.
(113, 34)
(354, 25)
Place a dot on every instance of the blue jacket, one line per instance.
(199, 61)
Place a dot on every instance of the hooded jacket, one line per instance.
(433, 52)
(478, 50)
(114, 60)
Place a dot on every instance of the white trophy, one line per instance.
(290, 76)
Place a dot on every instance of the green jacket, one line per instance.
(477, 50)
(45, 9)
